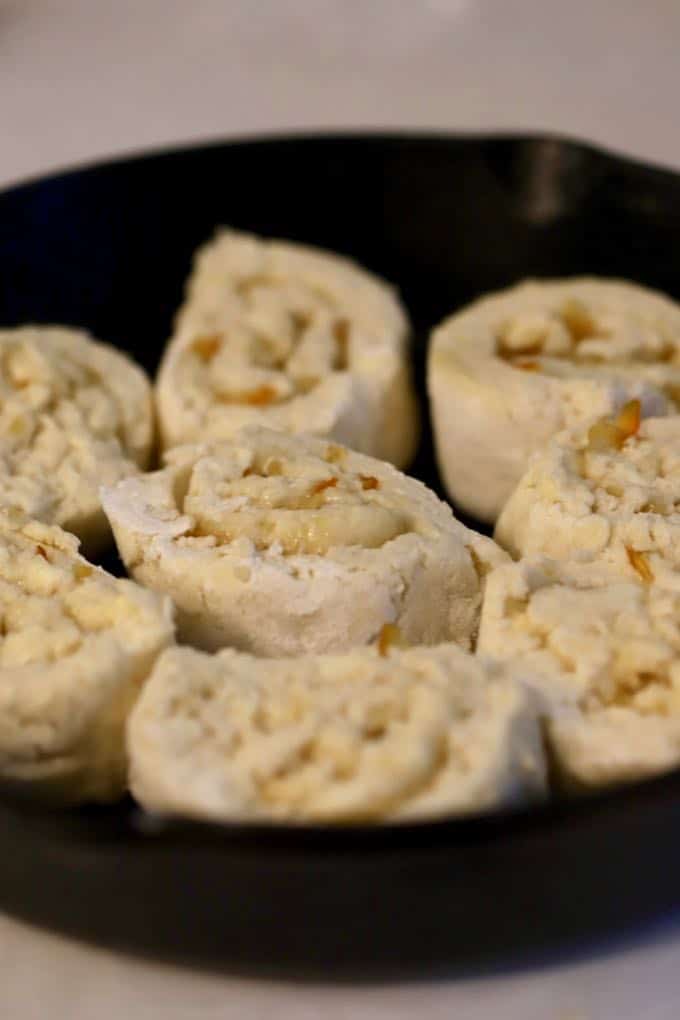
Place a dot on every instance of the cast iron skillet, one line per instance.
(446, 219)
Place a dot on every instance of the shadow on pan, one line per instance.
(446, 219)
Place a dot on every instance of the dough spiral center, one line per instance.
(302, 505)
(279, 341)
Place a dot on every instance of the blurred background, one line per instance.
(84, 78)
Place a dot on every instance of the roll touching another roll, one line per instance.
(609, 493)
(74, 414)
(604, 653)
(75, 646)
(376, 734)
(285, 545)
(513, 369)
(293, 338)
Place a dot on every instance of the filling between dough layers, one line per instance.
(604, 654)
(609, 492)
(295, 504)
(359, 737)
(575, 333)
(74, 415)
(283, 545)
(282, 343)
(75, 646)
(289, 337)
(513, 369)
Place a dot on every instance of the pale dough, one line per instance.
(74, 414)
(284, 545)
(603, 653)
(591, 498)
(76, 645)
(514, 368)
(367, 737)
(293, 338)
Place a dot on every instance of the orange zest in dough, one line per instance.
(611, 435)
(326, 483)
(334, 454)
(578, 320)
(300, 320)
(341, 328)
(369, 482)
(259, 397)
(640, 563)
(341, 331)
(604, 436)
(207, 346)
(389, 636)
(628, 418)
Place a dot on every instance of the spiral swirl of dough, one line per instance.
(282, 545)
(598, 494)
(602, 651)
(292, 338)
(357, 737)
(515, 368)
(74, 414)
(75, 645)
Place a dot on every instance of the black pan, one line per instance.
(446, 219)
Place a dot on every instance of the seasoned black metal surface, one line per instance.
(445, 219)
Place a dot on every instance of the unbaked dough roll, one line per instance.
(283, 545)
(363, 736)
(604, 654)
(76, 644)
(74, 414)
(293, 338)
(609, 493)
(514, 368)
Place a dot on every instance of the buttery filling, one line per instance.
(628, 471)
(50, 601)
(60, 427)
(346, 743)
(281, 340)
(301, 505)
(573, 334)
(630, 651)
(46, 379)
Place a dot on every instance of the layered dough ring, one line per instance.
(293, 338)
(513, 369)
(75, 646)
(283, 545)
(355, 737)
(604, 652)
(609, 493)
(74, 414)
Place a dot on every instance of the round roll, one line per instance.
(370, 735)
(608, 493)
(282, 545)
(603, 652)
(514, 368)
(74, 414)
(289, 337)
(76, 644)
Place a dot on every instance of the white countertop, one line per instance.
(81, 79)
